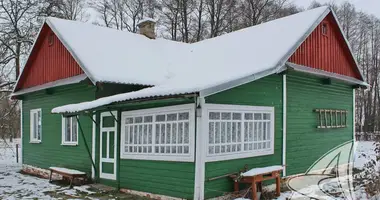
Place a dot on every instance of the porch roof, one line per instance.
(165, 91)
(146, 93)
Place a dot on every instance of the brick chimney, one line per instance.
(147, 27)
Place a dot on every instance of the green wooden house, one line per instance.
(173, 119)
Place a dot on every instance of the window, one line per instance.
(35, 125)
(69, 131)
(328, 118)
(324, 29)
(159, 134)
(239, 131)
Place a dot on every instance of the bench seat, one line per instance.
(68, 173)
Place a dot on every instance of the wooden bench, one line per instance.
(256, 176)
(71, 174)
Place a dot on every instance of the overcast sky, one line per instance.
(369, 6)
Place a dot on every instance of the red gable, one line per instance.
(49, 61)
(326, 49)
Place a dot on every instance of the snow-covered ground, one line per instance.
(14, 185)
(365, 152)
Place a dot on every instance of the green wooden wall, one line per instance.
(263, 92)
(50, 152)
(158, 177)
(306, 143)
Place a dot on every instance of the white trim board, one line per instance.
(66, 81)
(354, 117)
(108, 160)
(200, 154)
(284, 115)
(325, 74)
(21, 133)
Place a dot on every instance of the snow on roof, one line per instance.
(109, 55)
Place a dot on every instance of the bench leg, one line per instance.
(71, 182)
(51, 173)
(236, 186)
(278, 186)
(254, 189)
(260, 186)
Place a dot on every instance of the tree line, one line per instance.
(180, 20)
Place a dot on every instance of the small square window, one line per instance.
(69, 131)
(35, 125)
(51, 39)
(324, 29)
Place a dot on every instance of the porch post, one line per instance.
(85, 142)
(200, 154)
(93, 171)
(284, 105)
(353, 116)
(21, 134)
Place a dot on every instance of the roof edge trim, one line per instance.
(348, 43)
(61, 82)
(321, 73)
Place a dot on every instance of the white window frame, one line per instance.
(239, 108)
(63, 141)
(157, 156)
(32, 112)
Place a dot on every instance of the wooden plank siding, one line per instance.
(48, 62)
(50, 152)
(168, 178)
(159, 177)
(326, 52)
(305, 142)
(263, 92)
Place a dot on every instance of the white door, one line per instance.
(108, 144)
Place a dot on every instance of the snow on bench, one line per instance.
(256, 176)
(264, 170)
(67, 171)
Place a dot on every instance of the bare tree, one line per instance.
(170, 15)
(218, 11)
(124, 14)
(258, 11)
(18, 28)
